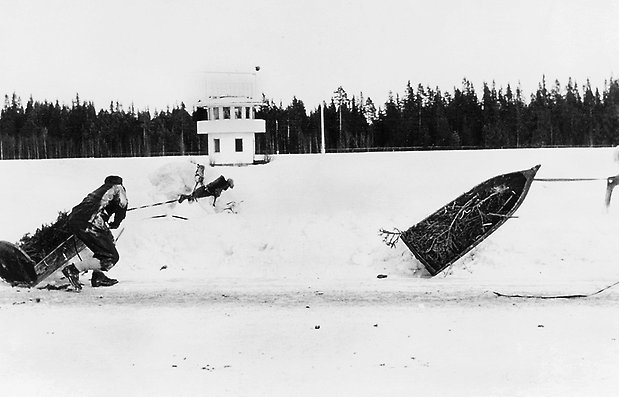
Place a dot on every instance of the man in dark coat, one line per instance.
(90, 222)
(213, 189)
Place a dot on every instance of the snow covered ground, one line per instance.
(282, 297)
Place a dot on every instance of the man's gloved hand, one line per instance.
(114, 225)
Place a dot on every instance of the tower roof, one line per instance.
(227, 101)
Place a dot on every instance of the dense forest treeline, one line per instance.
(422, 117)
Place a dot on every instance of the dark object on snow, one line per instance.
(445, 236)
(16, 267)
(381, 276)
(172, 216)
(51, 287)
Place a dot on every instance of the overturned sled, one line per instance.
(446, 235)
(18, 269)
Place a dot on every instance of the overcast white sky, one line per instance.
(153, 53)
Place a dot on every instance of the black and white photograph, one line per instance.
(309, 198)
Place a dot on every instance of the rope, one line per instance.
(76, 250)
(568, 179)
(556, 296)
(153, 205)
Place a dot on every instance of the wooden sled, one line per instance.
(445, 236)
(18, 269)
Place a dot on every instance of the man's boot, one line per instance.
(101, 280)
(73, 275)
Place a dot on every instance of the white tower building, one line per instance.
(231, 124)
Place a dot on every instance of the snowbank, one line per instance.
(318, 216)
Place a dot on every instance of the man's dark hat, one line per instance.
(114, 180)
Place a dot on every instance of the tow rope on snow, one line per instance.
(555, 296)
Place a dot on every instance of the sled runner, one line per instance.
(446, 235)
(21, 270)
